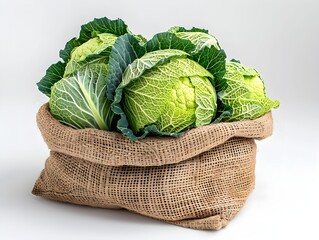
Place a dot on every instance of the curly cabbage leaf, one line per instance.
(53, 74)
(80, 100)
(242, 91)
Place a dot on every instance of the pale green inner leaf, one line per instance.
(80, 100)
(148, 61)
(95, 50)
(206, 100)
(179, 110)
(93, 46)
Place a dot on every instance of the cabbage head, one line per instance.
(93, 45)
(77, 85)
(242, 91)
(163, 87)
(171, 96)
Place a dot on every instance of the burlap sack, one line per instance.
(200, 180)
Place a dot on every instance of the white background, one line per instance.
(279, 38)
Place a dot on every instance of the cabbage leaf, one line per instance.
(79, 100)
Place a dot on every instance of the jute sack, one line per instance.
(200, 180)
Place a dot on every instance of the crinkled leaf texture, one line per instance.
(88, 31)
(165, 95)
(95, 50)
(168, 40)
(206, 100)
(199, 37)
(125, 50)
(207, 50)
(74, 65)
(213, 60)
(155, 59)
(242, 91)
(80, 99)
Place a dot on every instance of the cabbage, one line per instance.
(77, 86)
(242, 91)
(172, 96)
(163, 87)
(93, 46)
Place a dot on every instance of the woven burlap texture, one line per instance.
(200, 180)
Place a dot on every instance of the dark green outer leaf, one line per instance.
(140, 38)
(168, 40)
(235, 60)
(65, 53)
(102, 25)
(125, 50)
(213, 60)
(53, 74)
(222, 112)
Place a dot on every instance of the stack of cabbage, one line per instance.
(111, 79)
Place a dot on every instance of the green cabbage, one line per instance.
(93, 46)
(77, 86)
(172, 96)
(242, 91)
(164, 87)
